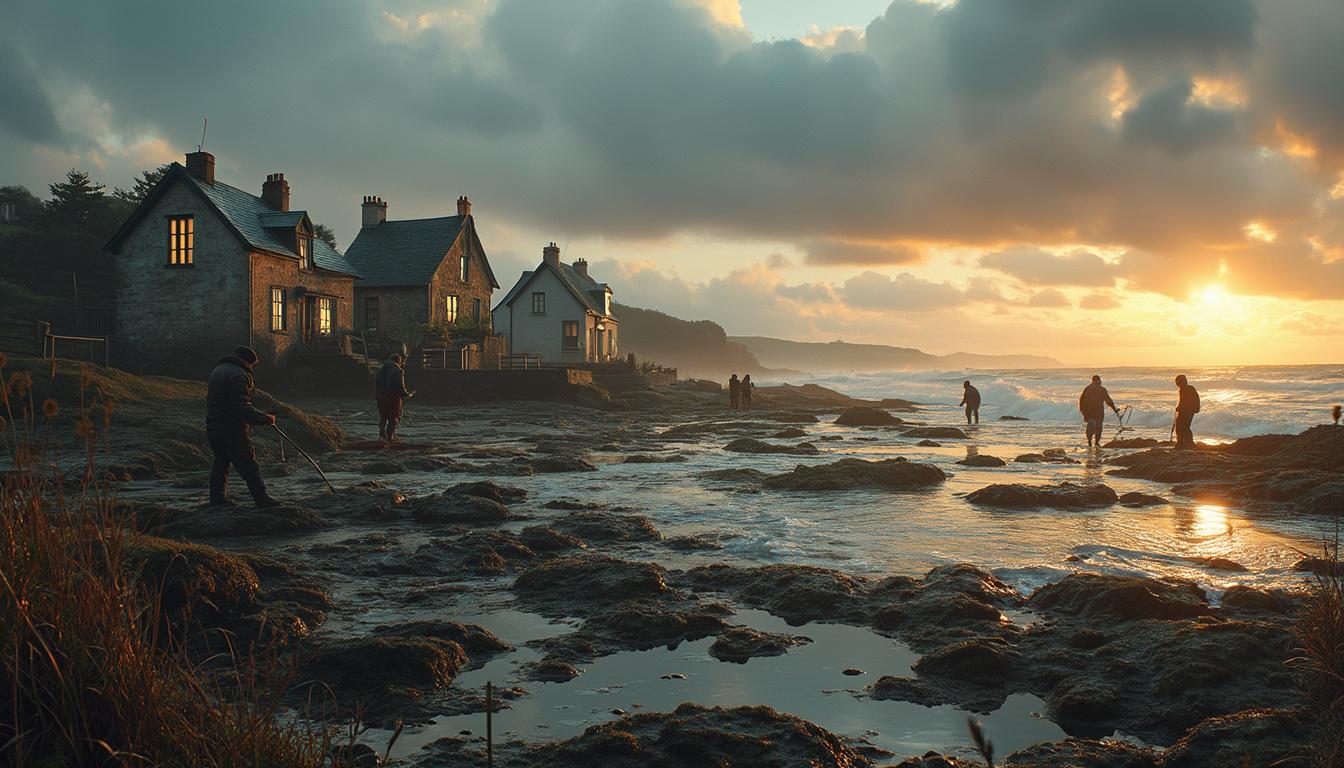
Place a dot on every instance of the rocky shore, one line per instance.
(385, 593)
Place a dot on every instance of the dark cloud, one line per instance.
(1167, 119)
(27, 113)
(1037, 267)
(840, 252)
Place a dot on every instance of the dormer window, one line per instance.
(306, 251)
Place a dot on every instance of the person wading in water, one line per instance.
(971, 399)
(1092, 404)
(1186, 407)
(391, 393)
(229, 416)
(734, 391)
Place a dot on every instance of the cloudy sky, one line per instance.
(1105, 181)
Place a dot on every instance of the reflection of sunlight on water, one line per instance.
(1210, 520)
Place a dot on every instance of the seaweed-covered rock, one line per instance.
(359, 665)
(539, 538)
(577, 585)
(789, 432)
(476, 640)
(846, 474)
(458, 509)
(1254, 737)
(1061, 496)
(208, 584)
(750, 445)
(980, 660)
(796, 593)
(866, 416)
(982, 460)
(935, 433)
(1136, 499)
(1048, 456)
(1122, 597)
(739, 644)
(206, 523)
(1083, 753)
(556, 464)
(607, 526)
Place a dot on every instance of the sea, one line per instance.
(873, 533)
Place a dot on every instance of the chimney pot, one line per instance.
(463, 206)
(202, 166)
(276, 191)
(581, 266)
(372, 212)
(551, 255)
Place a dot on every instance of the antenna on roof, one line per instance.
(205, 123)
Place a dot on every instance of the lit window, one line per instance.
(450, 307)
(371, 313)
(326, 311)
(181, 240)
(570, 338)
(277, 308)
(306, 252)
(539, 303)
(466, 268)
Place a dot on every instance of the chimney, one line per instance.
(551, 255)
(581, 266)
(463, 206)
(374, 211)
(276, 191)
(202, 166)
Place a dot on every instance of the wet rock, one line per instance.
(1255, 737)
(1083, 753)
(1220, 564)
(866, 416)
(1061, 496)
(981, 661)
(208, 523)
(209, 585)
(1136, 499)
(458, 509)
(982, 460)
(739, 644)
(846, 474)
(1321, 566)
(1244, 599)
(852, 672)
(796, 593)
(577, 585)
(539, 538)
(743, 474)
(1013, 418)
(606, 526)
(556, 464)
(697, 543)
(485, 489)
(790, 432)
(640, 624)
(569, 504)
(1122, 597)
(481, 553)
(935, 433)
(929, 444)
(362, 665)
(935, 760)
(552, 671)
(701, 736)
(1084, 706)
(750, 445)
(1048, 456)
(653, 458)
(477, 641)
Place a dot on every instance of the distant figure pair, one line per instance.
(739, 392)
(1095, 397)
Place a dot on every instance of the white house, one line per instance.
(559, 313)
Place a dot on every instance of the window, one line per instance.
(306, 252)
(450, 305)
(570, 338)
(539, 303)
(278, 314)
(466, 268)
(476, 310)
(371, 313)
(181, 241)
(326, 311)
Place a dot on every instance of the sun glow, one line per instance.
(1212, 299)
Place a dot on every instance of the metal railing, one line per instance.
(50, 346)
(446, 358)
(520, 361)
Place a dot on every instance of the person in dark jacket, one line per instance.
(391, 393)
(734, 391)
(971, 399)
(747, 386)
(1187, 405)
(1092, 404)
(229, 416)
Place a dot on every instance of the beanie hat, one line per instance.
(246, 354)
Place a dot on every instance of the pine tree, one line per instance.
(324, 233)
(149, 178)
(76, 200)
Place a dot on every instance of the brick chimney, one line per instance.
(581, 266)
(374, 211)
(551, 255)
(463, 206)
(276, 191)
(202, 166)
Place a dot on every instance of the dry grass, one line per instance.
(1320, 658)
(89, 674)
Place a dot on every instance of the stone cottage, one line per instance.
(419, 272)
(203, 266)
(559, 313)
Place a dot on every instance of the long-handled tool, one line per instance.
(310, 459)
(1123, 417)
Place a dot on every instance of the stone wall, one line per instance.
(400, 310)
(276, 346)
(447, 281)
(179, 320)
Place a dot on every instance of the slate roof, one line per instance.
(584, 289)
(403, 252)
(250, 217)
